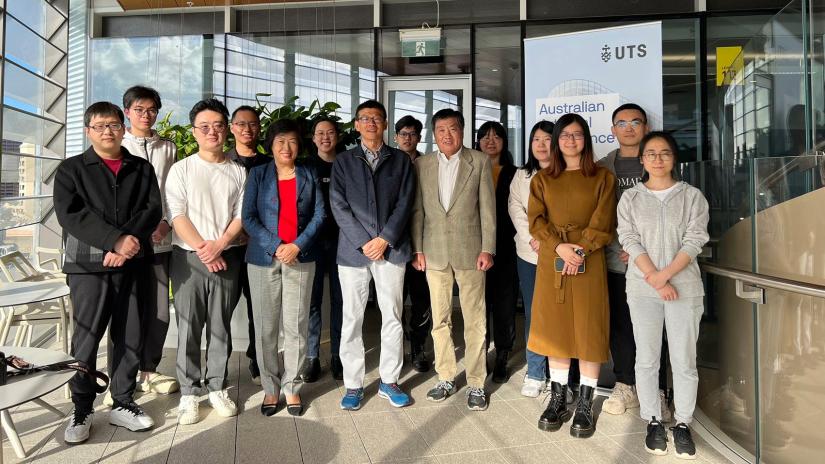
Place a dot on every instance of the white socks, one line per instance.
(559, 375)
(588, 381)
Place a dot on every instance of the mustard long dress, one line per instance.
(570, 315)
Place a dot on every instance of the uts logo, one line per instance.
(622, 52)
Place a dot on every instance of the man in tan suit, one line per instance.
(454, 238)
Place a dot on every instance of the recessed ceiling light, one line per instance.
(494, 69)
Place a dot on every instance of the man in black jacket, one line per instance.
(108, 204)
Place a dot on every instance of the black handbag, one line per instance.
(13, 366)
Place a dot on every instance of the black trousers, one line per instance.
(501, 295)
(419, 318)
(622, 343)
(244, 283)
(155, 313)
(100, 300)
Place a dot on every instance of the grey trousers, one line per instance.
(204, 298)
(280, 294)
(681, 318)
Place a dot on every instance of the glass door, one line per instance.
(423, 96)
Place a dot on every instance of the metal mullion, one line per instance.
(45, 78)
(29, 113)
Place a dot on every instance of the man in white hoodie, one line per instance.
(141, 106)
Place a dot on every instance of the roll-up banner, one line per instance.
(591, 73)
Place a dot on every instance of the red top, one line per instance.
(113, 165)
(288, 211)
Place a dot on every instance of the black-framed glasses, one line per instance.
(217, 127)
(622, 124)
(407, 135)
(664, 156)
(571, 136)
(101, 128)
(372, 119)
(152, 112)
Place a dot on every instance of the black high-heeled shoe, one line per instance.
(269, 410)
(295, 409)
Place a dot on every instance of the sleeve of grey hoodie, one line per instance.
(696, 234)
(629, 236)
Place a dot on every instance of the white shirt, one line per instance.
(447, 174)
(209, 194)
(662, 194)
(517, 207)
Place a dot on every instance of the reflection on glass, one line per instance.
(25, 128)
(421, 104)
(29, 92)
(29, 50)
(23, 176)
(39, 15)
(17, 213)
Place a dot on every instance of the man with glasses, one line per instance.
(629, 127)
(454, 240)
(108, 204)
(141, 106)
(204, 195)
(372, 192)
(407, 136)
(245, 125)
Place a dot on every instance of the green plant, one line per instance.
(185, 140)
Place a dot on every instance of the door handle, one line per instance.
(752, 293)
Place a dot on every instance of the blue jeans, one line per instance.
(325, 265)
(536, 363)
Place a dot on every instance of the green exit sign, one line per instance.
(421, 47)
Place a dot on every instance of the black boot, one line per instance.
(500, 374)
(584, 425)
(419, 359)
(336, 367)
(556, 412)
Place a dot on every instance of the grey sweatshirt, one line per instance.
(662, 229)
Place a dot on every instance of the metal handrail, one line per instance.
(817, 291)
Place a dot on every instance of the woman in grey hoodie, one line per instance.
(663, 227)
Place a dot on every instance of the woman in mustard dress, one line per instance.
(572, 214)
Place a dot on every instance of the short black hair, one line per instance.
(409, 121)
(325, 119)
(374, 104)
(505, 158)
(102, 108)
(245, 108)
(140, 92)
(209, 104)
(282, 126)
(448, 113)
(628, 106)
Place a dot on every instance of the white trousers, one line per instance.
(355, 290)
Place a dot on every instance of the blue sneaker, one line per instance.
(392, 392)
(352, 400)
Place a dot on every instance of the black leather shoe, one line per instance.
(269, 410)
(419, 360)
(295, 409)
(556, 412)
(311, 370)
(336, 368)
(500, 374)
(584, 424)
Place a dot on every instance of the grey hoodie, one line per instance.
(662, 229)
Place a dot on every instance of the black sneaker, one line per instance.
(685, 448)
(336, 368)
(311, 370)
(656, 439)
(441, 391)
(476, 399)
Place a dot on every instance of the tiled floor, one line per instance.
(422, 433)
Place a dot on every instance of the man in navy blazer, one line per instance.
(372, 194)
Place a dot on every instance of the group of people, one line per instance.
(594, 277)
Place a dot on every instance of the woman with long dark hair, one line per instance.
(572, 212)
(501, 290)
(538, 158)
(663, 225)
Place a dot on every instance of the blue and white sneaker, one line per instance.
(352, 400)
(394, 394)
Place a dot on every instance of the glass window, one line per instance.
(41, 17)
(414, 13)
(454, 59)
(32, 93)
(29, 50)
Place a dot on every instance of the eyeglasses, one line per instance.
(243, 125)
(151, 112)
(407, 135)
(664, 156)
(373, 119)
(204, 128)
(622, 124)
(571, 136)
(101, 128)
(329, 133)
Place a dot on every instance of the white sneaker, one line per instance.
(221, 403)
(531, 388)
(667, 416)
(107, 399)
(78, 428)
(623, 398)
(188, 410)
(132, 417)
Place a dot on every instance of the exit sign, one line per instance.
(413, 49)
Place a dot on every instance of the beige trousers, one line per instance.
(474, 309)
